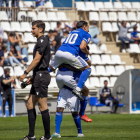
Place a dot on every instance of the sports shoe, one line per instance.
(4, 116)
(11, 116)
(78, 94)
(43, 138)
(28, 138)
(123, 51)
(85, 118)
(128, 50)
(80, 135)
(56, 135)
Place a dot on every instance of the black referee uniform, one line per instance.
(6, 94)
(41, 76)
(109, 99)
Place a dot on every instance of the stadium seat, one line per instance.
(29, 3)
(80, 6)
(47, 26)
(1, 71)
(134, 48)
(21, 5)
(30, 59)
(89, 6)
(116, 59)
(100, 71)
(104, 16)
(111, 70)
(93, 16)
(112, 81)
(122, 16)
(88, 84)
(6, 26)
(25, 27)
(119, 69)
(118, 5)
(30, 47)
(128, 67)
(5, 35)
(95, 81)
(42, 16)
(96, 59)
(49, 4)
(106, 27)
(93, 71)
(106, 59)
(32, 15)
(29, 38)
(112, 16)
(103, 48)
(135, 5)
(132, 16)
(102, 79)
(115, 27)
(93, 101)
(138, 16)
(94, 49)
(11, 70)
(53, 83)
(21, 13)
(15, 26)
(18, 70)
(17, 83)
(127, 4)
(53, 25)
(108, 5)
(99, 5)
(52, 16)
(117, 39)
(3, 15)
(61, 16)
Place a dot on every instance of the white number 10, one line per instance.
(71, 38)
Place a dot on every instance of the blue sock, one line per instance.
(58, 120)
(77, 121)
(83, 77)
(83, 105)
(49, 70)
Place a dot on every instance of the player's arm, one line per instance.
(83, 47)
(9, 80)
(68, 67)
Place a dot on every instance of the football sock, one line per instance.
(83, 105)
(46, 122)
(83, 77)
(58, 120)
(31, 120)
(77, 121)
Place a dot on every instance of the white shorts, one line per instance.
(67, 98)
(67, 58)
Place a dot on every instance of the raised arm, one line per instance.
(118, 23)
(132, 26)
(83, 47)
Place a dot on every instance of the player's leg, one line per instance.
(83, 105)
(110, 103)
(3, 100)
(10, 102)
(116, 103)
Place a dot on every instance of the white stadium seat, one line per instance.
(93, 71)
(113, 16)
(11, 70)
(29, 3)
(53, 25)
(129, 67)
(106, 27)
(89, 84)
(31, 47)
(116, 59)
(119, 69)
(29, 38)
(21, 13)
(102, 79)
(95, 81)
(117, 39)
(49, 4)
(118, 5)
(47, 26)
(134, 48)
(17, 83)
(53, 83)
(15, 26)
(100, 70)
(115, 27)
(96, 59)
(32, 15)
(30, 59)
(111, 70)
(1, 71)
(80, 6)
(25, 27)
(127, 4)
(132, 16)
(108, 5)
(3, 15)
(51, 16)
(106, 59)
(61, 16)
(112, 81)
(89, 6)
(94, 49)
(135, 5)
(93, 16)
(18, 70)
(103, 48)
(99, 5)
(122, 16)
(6, 26)
(42, 16)
(138, 16)
(5, 35)
(104, 16)
(128, 25)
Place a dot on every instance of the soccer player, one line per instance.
(68, 53)
(40, 81)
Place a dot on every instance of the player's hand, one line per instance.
(30, 80)
(22, 77)
(115, 97)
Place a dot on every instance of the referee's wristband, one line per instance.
(25, 72)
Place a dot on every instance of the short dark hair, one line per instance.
(58, 22)
(66, 32)
(12, 34)
(39, 24)
(81, 24)
(123, 22)
(105, 81)
(135, 27)
(6, 70)
(50, 31)
(94, 22)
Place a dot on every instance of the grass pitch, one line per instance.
(103, 127)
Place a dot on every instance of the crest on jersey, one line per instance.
(120, 91)
(41, 40)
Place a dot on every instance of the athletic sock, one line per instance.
(58, 120)
(83, 105)
(31, 120)
(77, 121)
(46, 122)
(83, 77)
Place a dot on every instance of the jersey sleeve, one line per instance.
(42, 45)
(86, 37)
(83, 55)
(132, 34)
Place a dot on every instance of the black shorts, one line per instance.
(41, 80)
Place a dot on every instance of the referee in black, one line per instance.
(5, 89)
(40, 81)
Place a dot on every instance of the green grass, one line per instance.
(103, 127)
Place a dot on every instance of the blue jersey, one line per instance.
(73, 41)
(134, 34)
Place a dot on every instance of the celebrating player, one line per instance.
(68, 53)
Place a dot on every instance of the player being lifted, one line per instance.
(68, 53)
